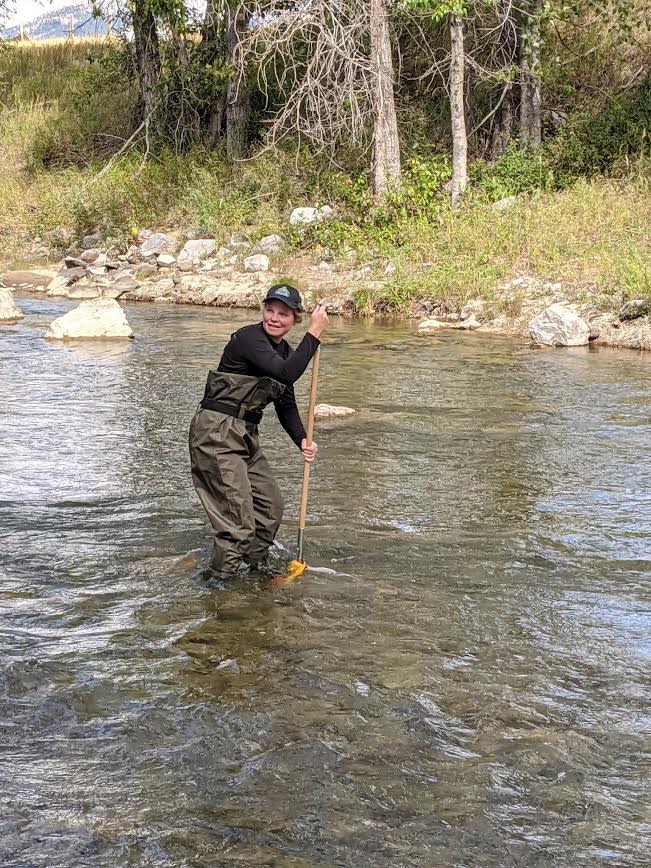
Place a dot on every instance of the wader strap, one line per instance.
(253, 416)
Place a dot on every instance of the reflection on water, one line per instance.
(462, 680)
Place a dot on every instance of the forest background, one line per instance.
(411, 119)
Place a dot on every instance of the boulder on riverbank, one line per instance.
(9, 310)
(559, 326)
(97, 318)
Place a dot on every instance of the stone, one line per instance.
(470, 323)
(120, 287)
(196, 250)
(25, 279)
(73, 274)
(324, 266)
(144, 235)
(97, 318)
(635, 308)
(86, 291)
(157, 243)
(73, 262)
(90, 255)
(595, 333)
(89, 242)
(225, 254)
(269, 245)
(505, 203)
(195, 232)
(165, 260)
(185, 264)
(430, 326)
(303, 216)
(559, 326)
(97, 270)
(238, 245)
(112, 264)
(323, 411)
(145, 269)
(60, 237)
(9, 310)
(58, 286)
(255, 263)
(229, 666)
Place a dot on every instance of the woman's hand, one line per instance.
(309, 452)
(318, 319)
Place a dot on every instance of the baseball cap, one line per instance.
(289, 295)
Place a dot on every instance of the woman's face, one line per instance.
(277, 319)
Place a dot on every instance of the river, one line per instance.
(463, 680)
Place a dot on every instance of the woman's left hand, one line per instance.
(309, 452)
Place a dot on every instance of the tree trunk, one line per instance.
(145, 39)
(238, 101)
(530, 99)
(386, 144)
(214, 43)
(503, 127)
(457, 113)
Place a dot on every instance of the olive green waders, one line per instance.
(230, 473)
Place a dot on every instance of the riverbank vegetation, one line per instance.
(175, 130)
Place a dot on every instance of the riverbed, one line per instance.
(461, 679)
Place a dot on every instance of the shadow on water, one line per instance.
(461, 679)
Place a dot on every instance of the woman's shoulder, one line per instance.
(250, 332)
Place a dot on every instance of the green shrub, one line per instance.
(515, 173)
(595, 141)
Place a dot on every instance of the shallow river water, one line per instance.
(462, 681)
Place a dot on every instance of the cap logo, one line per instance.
(282, 290)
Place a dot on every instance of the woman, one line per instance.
(230, 473)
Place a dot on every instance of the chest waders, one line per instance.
(230, 473)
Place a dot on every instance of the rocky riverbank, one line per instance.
(159, 267)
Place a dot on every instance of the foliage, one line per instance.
(597, 139)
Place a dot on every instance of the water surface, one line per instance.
(463, 680)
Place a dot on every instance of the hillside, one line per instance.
(76, 19)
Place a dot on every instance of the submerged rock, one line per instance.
(430, 326)
(98, 318)
(322, 411)
(559, 326)
(9, 310)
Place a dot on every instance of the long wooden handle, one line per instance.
(309, 432)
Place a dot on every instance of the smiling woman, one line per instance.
(230, 472)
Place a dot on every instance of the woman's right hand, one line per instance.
(318, 319)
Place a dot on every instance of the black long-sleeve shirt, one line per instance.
(252, 352)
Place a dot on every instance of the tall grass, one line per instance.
(62, 106)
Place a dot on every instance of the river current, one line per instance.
(462, 679)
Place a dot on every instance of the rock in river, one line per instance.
(9, 311)
(323, 411)
(97, 318)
